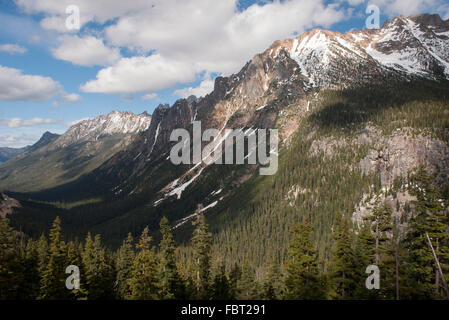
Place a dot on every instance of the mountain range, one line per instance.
(363, 103)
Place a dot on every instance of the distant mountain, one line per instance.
(9, 153)
(46, 139)
(61, 159)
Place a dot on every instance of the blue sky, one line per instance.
(133, 55)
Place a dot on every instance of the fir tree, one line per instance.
(303, 279)
(10, 264)
(53, 279)
(201, 243)
(271, 287)
(124, 263)
(144, 282)
(171, 286)
(344, 271)
(428, 218)
(98, 272)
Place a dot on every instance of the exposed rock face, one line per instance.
(7, 205)
(396, 155)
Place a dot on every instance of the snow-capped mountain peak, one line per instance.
(115, 122)
(414, 46)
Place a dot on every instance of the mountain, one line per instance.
(81, 149)
(356, 112)
(46, 139)
(9, 153)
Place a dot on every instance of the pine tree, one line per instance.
(248, 287)
(30, 287)
(144, 281)
(171, 286)
(98, 272)
(10, 264)
(365, 255)
(343, 271)
(303, 280)
(124, 263)
(53, 279)
(221, 286)
(271, 287)
(201, 243)
(428, 219)
(74, 258)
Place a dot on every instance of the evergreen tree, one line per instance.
(271, 287)
(10, 264)
(248, 287)
(365, 255)
(74, 258)
(344, 269)
(31, 279)
(201, 243)
(428, 219)
(53, 278)
(144, 281)
(124, 263)
(171, 286)
(221, 287)
(98, 272)
(303, 280)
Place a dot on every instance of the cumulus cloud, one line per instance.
(205, 87)
(86, 51)
(149, 96)
(192, 37)
(20, 123)
(71, 98)
(16, 86)
(12, 48)
(98, 11)
(140, 74)
(188, 38)
(18, 141)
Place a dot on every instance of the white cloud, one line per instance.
(98, 11)
(12, 48)
(87, 51)
(71, 98)
(20, 123)
(205, 87)
(149, 96)
(18, 141)
(192, 37)
(140, 74)
(15, 86)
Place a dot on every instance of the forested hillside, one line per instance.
(308, 232)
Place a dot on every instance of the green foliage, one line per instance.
(10, 266)
(53, 277)
(123, 264)
(144, 283)
(201, 244)
(303, 279)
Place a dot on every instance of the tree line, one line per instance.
(413, 262)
